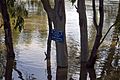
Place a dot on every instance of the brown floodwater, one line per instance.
(30, 46)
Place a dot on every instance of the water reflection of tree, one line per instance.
(110, 66)
(2, 62)
(40, 10)
(36, 23)
(91, 36)
(2, 56)
(43, 31)
(35, 6)
(26, 37)
(15, 37)
(73, 57)
(110, 69)
(35, 27)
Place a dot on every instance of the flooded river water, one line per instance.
(31, 44)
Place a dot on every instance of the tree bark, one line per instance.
(84, 38)
(61, 73)
(48, 57)
(99, 28)
(8, 40)
(7, 29)
(59, 24)
(57, 16)
(9, 69)
(83, 30)
(92, 73)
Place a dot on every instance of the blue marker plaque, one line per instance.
(57, 36)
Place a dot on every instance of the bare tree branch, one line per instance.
(106, 33)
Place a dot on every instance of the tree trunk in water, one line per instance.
(99, 28)
(84, 38)
(8, 40)
(48, 57)
(92, 73)
(57, 15)
(9, 69)
(7, 29)
(61, 73)
(59, 24)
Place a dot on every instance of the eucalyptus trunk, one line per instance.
(57, 16)
(9, 69)
(84, 38)
(59, 24)
(7, 29)
(8, 40)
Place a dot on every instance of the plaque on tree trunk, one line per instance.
(57, 36)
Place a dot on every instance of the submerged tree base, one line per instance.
(91, 62)
(83, 71)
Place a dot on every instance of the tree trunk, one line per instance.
(59, 24)
(99, 28)
(92, 74)
(8, 40)
(84, 38)
(57, 15)
(7, 29)
(48, 57)
(61, 73)
(9, 69)
(83, 30)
